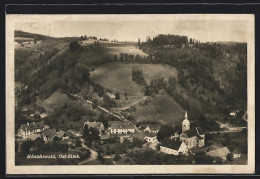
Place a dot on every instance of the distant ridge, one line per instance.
(230, 42)
(18, 33)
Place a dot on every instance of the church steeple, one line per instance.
(185, 123)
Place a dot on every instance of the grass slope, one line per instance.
(118, 76)
(162, 108)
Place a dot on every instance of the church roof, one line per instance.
(172, 144)
(197, 131)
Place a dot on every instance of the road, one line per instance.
(93, 154)
(215, 132)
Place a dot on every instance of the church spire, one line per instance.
(186, 114)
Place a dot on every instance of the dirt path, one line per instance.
(134, 103)
(93, 154)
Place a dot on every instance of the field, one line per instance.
(57, 99)
(162, 108)
(118, 76)
(133, 49)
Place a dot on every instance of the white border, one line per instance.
(128, 169)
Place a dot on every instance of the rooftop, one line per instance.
(220, 152)
(32, 126)
(172, 144)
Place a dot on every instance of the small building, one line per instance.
(220, 152)
(152, 128)
(49, 134)
(150, 137)
(236, 153)
(122, 128)
(43, 115)
(174, 147)
(36, 137)
(97, 125)
(31, 128)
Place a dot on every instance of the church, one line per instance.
(194, 137)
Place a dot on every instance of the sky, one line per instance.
(130, 29)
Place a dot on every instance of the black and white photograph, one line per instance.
(131, 91)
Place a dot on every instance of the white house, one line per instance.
(152, 128)
(31, 128)
(174, 147)
(150, 137)
(97, 125)
(122, 128)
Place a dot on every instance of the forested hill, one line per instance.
(211, 72)
(18, 33)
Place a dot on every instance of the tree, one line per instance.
(74, 45)
(165, 131)
(107, 101)
(117, 96)
(117, 157)
(94, 104)
(25, 147)
(230, 157)
(90, 135)
(78, 142)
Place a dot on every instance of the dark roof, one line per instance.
(154, 127)
(49, 132)
(33, 137)
(32, 126)
(197, 131)
(172, 144)
(120, 125)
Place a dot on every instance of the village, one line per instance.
(99, 143)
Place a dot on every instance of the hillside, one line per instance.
(214, 74)
(21, 34)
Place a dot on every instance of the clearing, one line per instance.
(162, 108)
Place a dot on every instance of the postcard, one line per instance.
(130, 94)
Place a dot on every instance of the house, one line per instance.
(150, 137)
(97, 125)
(107, 138)
(43, 115)
(194, 137)
(122, 128)
(220, 152)
(173, 147)
(152, 128)
(61, 136)
(232, 114)
(35, 137)
(49, 134)
(31, 128)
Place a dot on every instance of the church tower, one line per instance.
(185, 123)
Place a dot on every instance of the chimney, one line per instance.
(28, 123)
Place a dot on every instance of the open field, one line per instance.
(117, 76)
(130, 49)
(162, 108)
